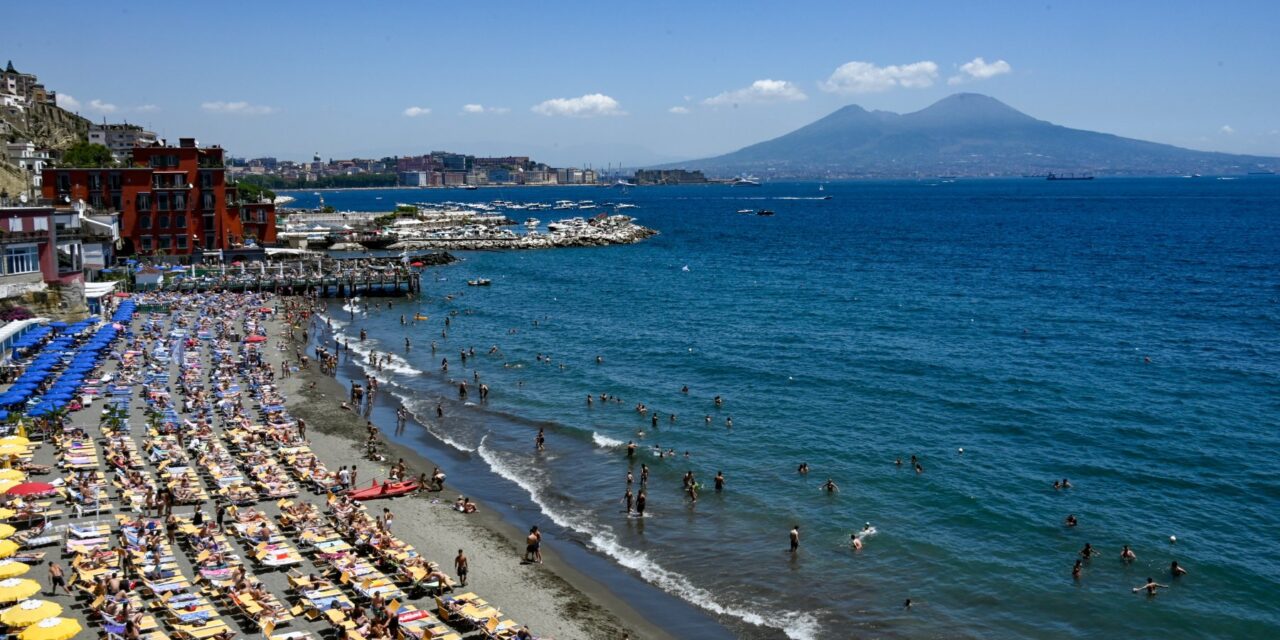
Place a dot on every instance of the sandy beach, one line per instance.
(553, 598)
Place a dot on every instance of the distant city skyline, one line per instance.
(653, 83)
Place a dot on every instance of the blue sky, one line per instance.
(590, 83)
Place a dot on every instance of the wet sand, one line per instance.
(554, 599)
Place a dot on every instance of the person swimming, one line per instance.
(830, 486)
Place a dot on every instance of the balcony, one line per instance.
(24, 236)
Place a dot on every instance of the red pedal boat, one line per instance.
(384, 490)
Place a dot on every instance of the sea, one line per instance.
(1122, 334)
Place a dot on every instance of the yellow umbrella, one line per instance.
(12, 474)
(18, 440)
(6, 513)
(13, 569)
(12, 450)
(51, 629)
(29, 612)
(14, 589)
(6, 485)
(6, 530)
(7, 548)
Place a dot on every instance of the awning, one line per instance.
(99, 289)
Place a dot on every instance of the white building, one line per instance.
(29, 160)
(120, 138)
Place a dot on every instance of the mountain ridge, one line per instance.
(966, 134)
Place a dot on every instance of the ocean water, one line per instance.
(1124, 334)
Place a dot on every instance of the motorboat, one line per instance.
(479, 282)
(746, 211)
(764, 212)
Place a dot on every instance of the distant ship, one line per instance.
(623, 184)
(1067, 176)
(745, 181)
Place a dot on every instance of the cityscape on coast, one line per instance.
(407, 321)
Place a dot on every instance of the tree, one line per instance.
(252, 192)
(84, 154)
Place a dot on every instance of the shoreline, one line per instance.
(555, 599)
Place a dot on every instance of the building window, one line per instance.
(95, 181)
(144, 221)
(15, 225)
(163, 222)
(68, 257)
(146, 243)
(163, 200)
(206, 180)
(208, 240)
(180, 221)
(25, 259)
(41, 223)
(113, 181)
(95, 200)
(207, 201)
(179, 202)
(182, 241)
(115, 202)
(262, 215)
(144, 201)
(165, 242)
(64, 181)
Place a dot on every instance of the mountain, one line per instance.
(966, 134)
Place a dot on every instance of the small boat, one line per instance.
(745, 181)
(419, 316)
(479, 282)
(826, 197)
(746, 211)
(384, 490)
(764, 212)
(469, 187)
(532, 223)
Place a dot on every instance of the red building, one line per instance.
(171, 200)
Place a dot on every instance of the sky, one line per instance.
(580, 84)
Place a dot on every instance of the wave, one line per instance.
(605, 441)
(796, 625)
(414, 407)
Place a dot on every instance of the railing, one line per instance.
(23, 236)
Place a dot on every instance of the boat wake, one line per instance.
(796, 625)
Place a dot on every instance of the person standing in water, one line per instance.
(629, 499)
(641, 499)
(1151, 587)
(540, 442)
(795, 538)
(719, 481)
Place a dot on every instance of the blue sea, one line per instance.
(1123, 334)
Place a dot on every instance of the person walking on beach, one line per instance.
(795, 538)
(461, 567)
(533, 546)
(57, 579)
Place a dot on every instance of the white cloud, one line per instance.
(238, 108)
(678, 110)
(102, 107)
(413, 112)
(479, 108)
(591, 104)
(865, 77)
(760, 91)
(147, 108)
(67, 102)
(1226, 130)
(979, 69)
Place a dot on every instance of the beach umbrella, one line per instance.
(255, 339)
(29, 612)
(8, 548)
(31, 489)
(6, 531)
(11, 474)
(266, 310)
(14, 589)
(5, 485)
(13, 449)
(51, 629)
(6, 512)
(13, 569)
(121, 294)
(415, 264)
